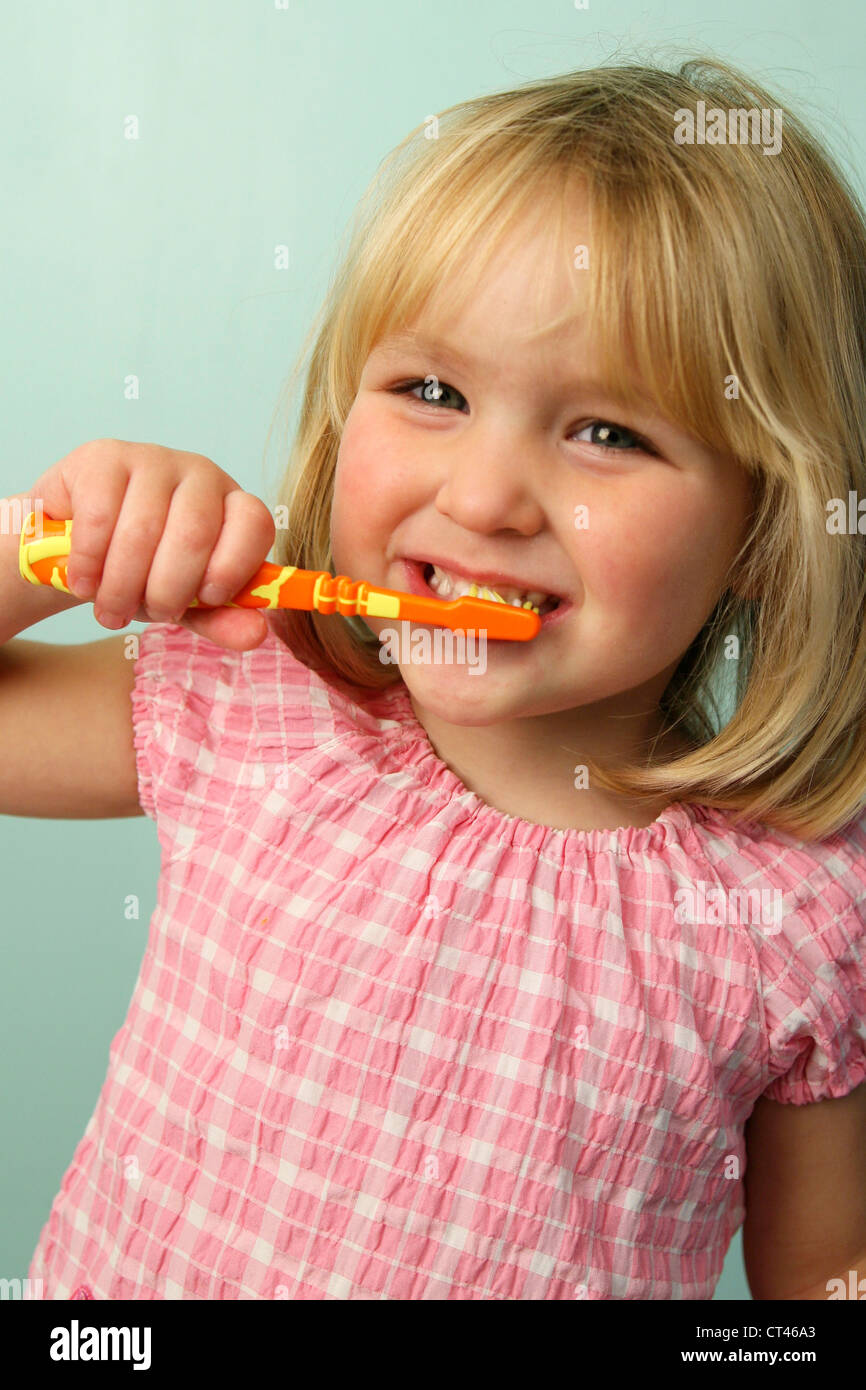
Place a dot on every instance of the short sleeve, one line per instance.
(181, 691)
(815, 1009)
(212, 727)
(147, 690)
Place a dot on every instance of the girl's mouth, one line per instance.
(418, 572)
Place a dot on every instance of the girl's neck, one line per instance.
(526, 767)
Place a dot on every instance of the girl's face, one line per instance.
(525, 466)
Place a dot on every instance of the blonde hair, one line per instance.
(737, 264)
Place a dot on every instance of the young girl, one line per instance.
(490, 986)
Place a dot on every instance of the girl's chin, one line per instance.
(466, 679)
(461, 696)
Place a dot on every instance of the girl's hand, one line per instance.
(155, 528)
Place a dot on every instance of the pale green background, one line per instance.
(259, 125)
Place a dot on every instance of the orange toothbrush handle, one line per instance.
(328, 593)
(45, 545)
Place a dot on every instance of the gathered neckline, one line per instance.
(417, 756)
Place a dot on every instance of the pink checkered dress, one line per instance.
(389, 1042)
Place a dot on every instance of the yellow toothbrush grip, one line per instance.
(43, 549)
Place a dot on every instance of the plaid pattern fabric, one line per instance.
(390, 1042)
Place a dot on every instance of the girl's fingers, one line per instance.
(196, 517)
(136, 535)
(153, 529)
(244, 542)
(96, 497)
(245, 537)
(238, 629)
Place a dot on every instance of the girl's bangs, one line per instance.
(658, 311)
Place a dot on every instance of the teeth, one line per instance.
(452, 586)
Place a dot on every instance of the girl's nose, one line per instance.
(488, 487)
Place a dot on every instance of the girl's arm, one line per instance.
(66, 736)
(805, 1186)
(153, 529)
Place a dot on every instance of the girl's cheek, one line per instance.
(641, 551)
(365, 505)
(354, 484)
(366, 467)
(351, 488)
(605, 561)
(347, 503)
(353, 460)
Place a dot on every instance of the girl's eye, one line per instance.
(601, 432)
(616, 437)
(433, 391)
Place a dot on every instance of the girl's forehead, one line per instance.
(584, 276)
(528, 284)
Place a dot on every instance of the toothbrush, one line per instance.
(44, 546)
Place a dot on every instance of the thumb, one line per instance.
(238, 629)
